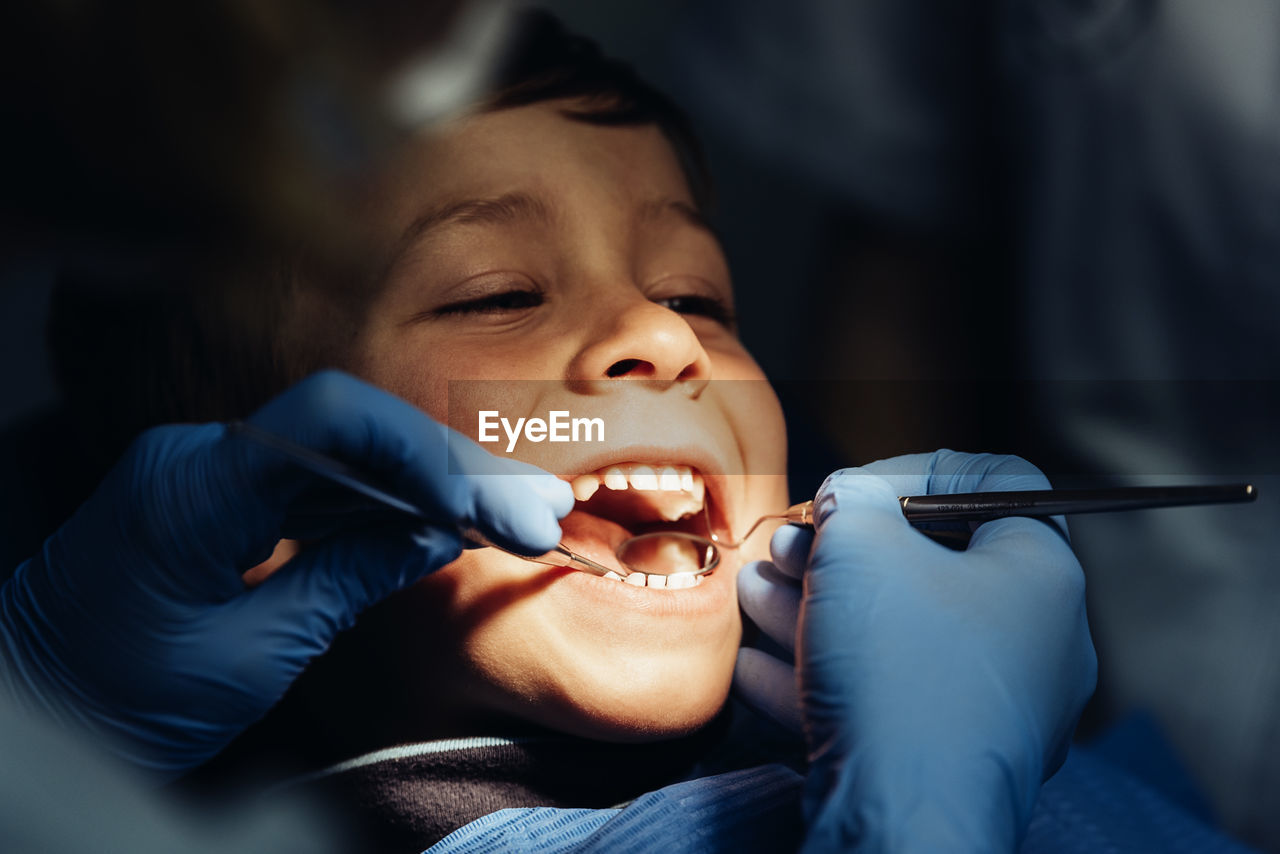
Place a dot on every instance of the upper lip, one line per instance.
(700, 460)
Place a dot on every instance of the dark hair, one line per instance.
(184, 342)
(548, 63)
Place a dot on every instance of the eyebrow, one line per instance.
(501, 210)
(660, 208)
(519, 206)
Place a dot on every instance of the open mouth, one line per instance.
(623, 500)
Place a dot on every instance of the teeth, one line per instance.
(676, 581)
(643, 479)
(585, 486)
(614, 478)
(669, 479)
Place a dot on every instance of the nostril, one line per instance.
(690, 372)
(625, 366)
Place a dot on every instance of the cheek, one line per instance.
(754, 412)
(756, 419)
(523, 653)
(447, 376)
(407, 372)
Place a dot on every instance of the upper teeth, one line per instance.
(644, 477)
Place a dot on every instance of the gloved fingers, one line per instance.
(856, 509)
(864, 548)
(953, 471)
(454, 481)
(322, 590)
(330, 508)
(907, 474)
(945, 471)
(174, 518)
(789, 548)
(1029, 563)
(1039, 567)
(972, 665)
(327, 508)
(520, 512)
(241, 655)
(772, 601)
(768, 686)
(1021, 537)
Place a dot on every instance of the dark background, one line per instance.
(1048, 227)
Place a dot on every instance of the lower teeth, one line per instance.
(675, 581)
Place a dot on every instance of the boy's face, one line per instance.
(527, 246)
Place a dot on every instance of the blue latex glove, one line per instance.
(937, 689)
(134, 621)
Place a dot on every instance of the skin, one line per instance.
(613, 255)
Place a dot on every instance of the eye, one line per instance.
(513, 299)
(698, 304)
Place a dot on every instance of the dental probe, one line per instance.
(340, 473)
(986, 506)
(561, 555)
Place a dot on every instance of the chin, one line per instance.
(641, 703)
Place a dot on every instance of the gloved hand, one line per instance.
(937, 689)
(134, 621)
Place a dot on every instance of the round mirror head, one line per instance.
(669, 553)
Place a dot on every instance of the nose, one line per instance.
(638, 339)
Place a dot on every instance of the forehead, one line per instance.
(537, 151)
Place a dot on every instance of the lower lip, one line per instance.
(714, 595)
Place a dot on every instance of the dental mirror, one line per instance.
(668, 553)
(671, 552)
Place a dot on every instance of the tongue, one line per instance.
(593, 537)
